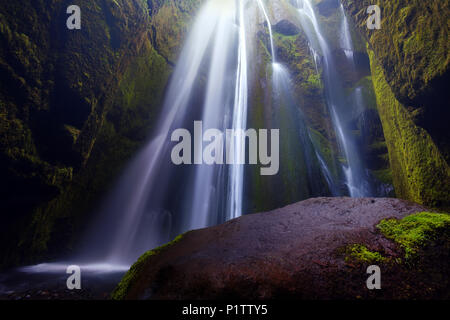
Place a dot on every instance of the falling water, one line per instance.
(346, 38)
(269, 26)
(239, 122)
(296, 139)
(156, 200)
(356, 176)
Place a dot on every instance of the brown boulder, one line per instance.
(292, 252)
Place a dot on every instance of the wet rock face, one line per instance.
(292, 252)
(56, 87)
(286, 28)
(327, 7)
(409, 65)
(412, 49)
(74, 106)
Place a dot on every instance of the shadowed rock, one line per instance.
(286, 27)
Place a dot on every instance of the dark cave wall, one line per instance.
(74, 107)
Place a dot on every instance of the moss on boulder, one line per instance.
(415, 232)
(130, 278)
(319, 248)
(359, 253)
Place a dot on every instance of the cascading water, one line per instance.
(142, 208)
(141, 212)
(239, 122)
(346, 39)
(296, 140)
(269, 27)
(357, 179)
(155, 200)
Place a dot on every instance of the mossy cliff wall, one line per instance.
(410, 69)
(412, 47)
(419, 170)
(267, 109)
(74, 107)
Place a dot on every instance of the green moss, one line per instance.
(415, 231)
(171, 20)
(100, 107)
(419, 171)
(412, 45)
(326, 151)
(383, 175)
(314, 82)
(358, 253)
(130, 277)
(414, 234)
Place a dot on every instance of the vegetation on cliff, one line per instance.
(74, 107)
(419, 171)
(410, 66)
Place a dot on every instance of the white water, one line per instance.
(60, 268)
(346, 38)
(239, 122)
(207, 183)
(269, 26)
(154, 200)
(355, 175)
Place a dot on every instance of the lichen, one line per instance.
(130, 277)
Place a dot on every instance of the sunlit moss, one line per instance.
(358, 253)
(415, 231)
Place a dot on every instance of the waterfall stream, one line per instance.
(357, 180)
(211, 83)
(155, 200)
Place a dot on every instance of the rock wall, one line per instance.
(74, 107)
(410, 67)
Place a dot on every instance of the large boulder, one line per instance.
(317, 248)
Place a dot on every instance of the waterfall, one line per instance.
(141, 212)
(346, 38)
(207, 178)
(212, 86)
(297, 143)
(269, 26)
(239, 122)
(356, 177)
(155, 200)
